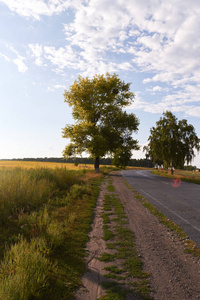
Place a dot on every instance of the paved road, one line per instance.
(179, 201)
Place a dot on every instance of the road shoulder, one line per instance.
(174, 274)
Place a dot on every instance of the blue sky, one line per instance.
(45, 45)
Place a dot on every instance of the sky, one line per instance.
(46, 44)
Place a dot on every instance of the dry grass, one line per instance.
(38, 164)
(45, 215)
(188, 176)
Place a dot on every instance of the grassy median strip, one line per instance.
(45, 215)
(129, 277)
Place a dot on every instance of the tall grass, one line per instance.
(25, 271)
(27, 190)
(45, 215)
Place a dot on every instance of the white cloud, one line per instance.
(18, 60)
(37, 8)
(56, 87)
(5, 57)
(22, 68)
(160, 38)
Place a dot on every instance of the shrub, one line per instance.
(78, 191)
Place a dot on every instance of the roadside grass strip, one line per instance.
(125, 269)
(189, 246)
(187, 176)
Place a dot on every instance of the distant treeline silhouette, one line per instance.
(85, 160)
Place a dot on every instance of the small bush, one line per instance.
(78, 191)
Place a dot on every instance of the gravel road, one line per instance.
(174, 274)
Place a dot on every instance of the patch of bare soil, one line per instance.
(91, 288)
(174, 274)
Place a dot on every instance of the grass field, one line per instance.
(45, 214)
(188, 176)
(35, 165)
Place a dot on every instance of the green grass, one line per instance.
(108, 234)
(45, 217)
(107, 203)
(114, 291)
(110, 188)
(107, 257)
(188, 176)
(113, 269)
(123, 244)
(106, 218)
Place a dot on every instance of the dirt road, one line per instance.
(174, 274)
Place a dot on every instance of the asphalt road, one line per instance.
(179, 201)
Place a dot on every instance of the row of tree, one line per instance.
(103, 128)
(172, 142)
(86, 160)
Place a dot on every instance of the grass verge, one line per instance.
(125, 274)
(45, 217)
(187, 176)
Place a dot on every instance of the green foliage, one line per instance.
(172, 142)
(102, 127)
(122, 158)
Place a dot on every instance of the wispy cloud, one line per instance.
(37, 8)
(16, 58)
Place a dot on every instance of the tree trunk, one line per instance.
(96, 164)
(171, 165)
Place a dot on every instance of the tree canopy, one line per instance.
(101, 126)
(172, 142)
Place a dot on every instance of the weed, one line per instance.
(106, 218)
(114, 291)
(111, 245)
(108, 234)
(143, 289)
(111, 188)
(107, 257)
(113, 269)
(107, 203)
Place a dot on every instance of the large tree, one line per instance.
(101, 126)
(172, 142)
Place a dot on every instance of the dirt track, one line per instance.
(174, 274)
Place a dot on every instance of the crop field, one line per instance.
(35, 165)
(45, 214)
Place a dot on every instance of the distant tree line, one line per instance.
(146, 163)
